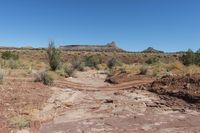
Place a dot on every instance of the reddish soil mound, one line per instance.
(20, 97)
(125, 77)
(179, 91)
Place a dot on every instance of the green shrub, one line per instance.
(110, 72)
(69, 70)
(60, 72)
(78, 64)
(113, 62)
(44, 77)
(13, 64)
(92, 61)
(153, 60)
(191, 58)
(197, 59)
(1, 75)
(53, 56)
(7, 55)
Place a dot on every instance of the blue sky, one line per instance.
(169, 25)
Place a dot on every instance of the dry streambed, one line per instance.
(112, 111)
(134, 109)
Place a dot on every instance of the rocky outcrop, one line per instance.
(179, 91)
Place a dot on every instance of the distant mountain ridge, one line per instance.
(152, 50)
(109, 47)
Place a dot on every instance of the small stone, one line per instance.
(108, 101)
(187, 86)
(116, 93)
(68, 104)
(164, 87)
(80, 130)
(143, 88)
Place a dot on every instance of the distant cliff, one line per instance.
(109, 47)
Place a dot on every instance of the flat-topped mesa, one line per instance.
(109, 47)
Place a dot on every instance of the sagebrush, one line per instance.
(53, 56)
(44, 77)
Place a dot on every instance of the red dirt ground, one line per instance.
(20, 97)
(179, 91)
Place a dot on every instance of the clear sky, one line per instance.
(169, 25)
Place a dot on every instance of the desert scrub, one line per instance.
(113, 63)
(92, 61)
(69, 70)
(13, 64)
(175, 67)
(7, 55)
(102, 66)
(125, 68)
(192, 69)
(158, 69)
(44, 77)
(129, 68)
(191, 58)
(53, 56)
(19, 121)
(152, 60)
(1, 75)
(61, 71)
(143, 70)
(110, 72)
(78, 64)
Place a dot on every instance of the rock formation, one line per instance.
(109, 47)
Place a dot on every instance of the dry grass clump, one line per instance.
(161, 69)
(130, 68)
(69, 70)
(32, 64)
(78, 64)
(45, 77)
(13, 64)
(1, 75)
(143, 70)
(102, 66)
(175, 66)
(19, 121)
(157, 69)
(192, 69)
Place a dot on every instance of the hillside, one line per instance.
(152, 50)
